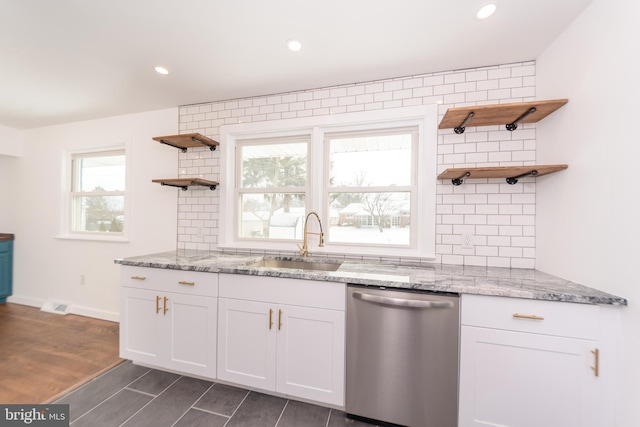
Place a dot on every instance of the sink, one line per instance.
(296, 264)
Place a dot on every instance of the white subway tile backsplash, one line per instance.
(501, 217)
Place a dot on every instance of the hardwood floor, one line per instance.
(44, 355)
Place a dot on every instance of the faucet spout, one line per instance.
(304, 250)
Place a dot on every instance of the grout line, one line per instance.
(282, 412)
(140, 392)
(194, 402)
(238, 407)
(110, 396)
(149, 402)
(328, 418)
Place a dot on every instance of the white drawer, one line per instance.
(533, 316)
(167, 280)
(308, 293)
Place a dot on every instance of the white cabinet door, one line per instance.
(310, 360)
(190, 333)
(247, 343)
(140, 326)
(168, 330)
(517, 379)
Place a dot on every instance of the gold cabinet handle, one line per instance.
(596, 368)
(157, 304)
(138, 278)
(270, 319)
(527, 316)
(165, 305)
(184, 282)
(279, 319)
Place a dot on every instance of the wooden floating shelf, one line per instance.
(184, 183)
(187, 140)
(511, 173)
(499, 114)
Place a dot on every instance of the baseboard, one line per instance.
(110, 316)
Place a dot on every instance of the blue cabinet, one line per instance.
(6, 266)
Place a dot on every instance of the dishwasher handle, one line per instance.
(401, 302)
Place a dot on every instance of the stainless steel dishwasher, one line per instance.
(402, 356)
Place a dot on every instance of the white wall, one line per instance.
(46, 267)
(11, 141)
(588, 217)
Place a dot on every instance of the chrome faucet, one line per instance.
(304, 251)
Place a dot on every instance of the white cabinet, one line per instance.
(169, 318)
(283, 335)
(526, 363)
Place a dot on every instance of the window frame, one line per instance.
(412, 188)
(70, 172)
(424, 118)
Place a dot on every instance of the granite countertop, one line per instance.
(495, 281)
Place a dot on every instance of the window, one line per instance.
(371, 183)
(370, 176)
(273, 184)
(97, 196)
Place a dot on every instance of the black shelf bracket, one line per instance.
(513, 126)
(182, 187)
(184, 150)
(459, 181)
(460, 129)
(514, 179)
(185, 187)
(211, 147)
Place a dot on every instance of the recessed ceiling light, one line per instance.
(161, 70)
(486, 11)
(294, 45)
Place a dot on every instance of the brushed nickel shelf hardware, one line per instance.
(510, 173)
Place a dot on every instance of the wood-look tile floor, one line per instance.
(135, 396)
(42, 355)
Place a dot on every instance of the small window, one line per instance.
(97, 197)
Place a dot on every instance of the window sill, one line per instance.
(93, 237)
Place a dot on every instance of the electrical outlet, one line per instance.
(467, 241)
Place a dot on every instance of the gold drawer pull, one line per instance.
(138, 278)
(279, 319)
(270, 318)
(165, 305)
(527, 316)
(157, 304)
(183, 282)
(596, 368)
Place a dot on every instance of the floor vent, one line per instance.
(55, 307)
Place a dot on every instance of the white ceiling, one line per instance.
(71, 60)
